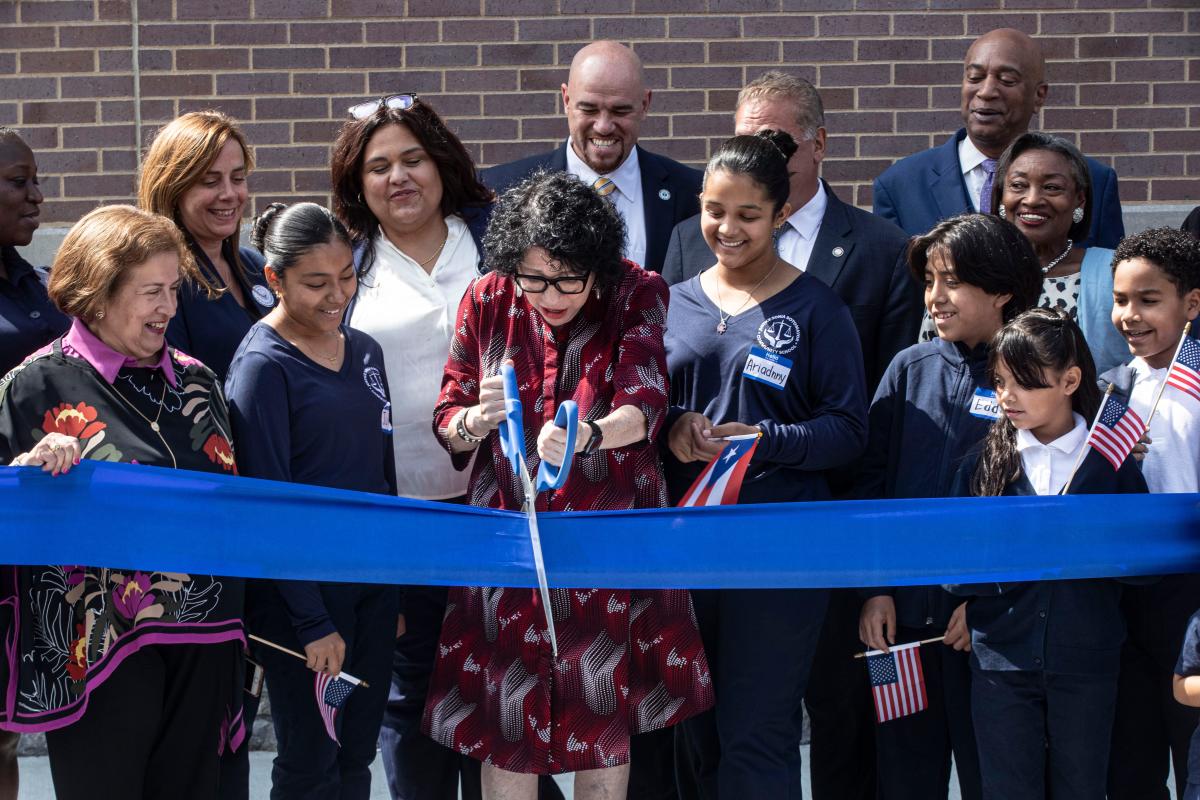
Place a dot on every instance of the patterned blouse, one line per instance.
(72, 624)
(628, 661)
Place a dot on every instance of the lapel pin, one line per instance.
(664, 194)
(838, 252)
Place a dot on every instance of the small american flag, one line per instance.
(1185, 369)
(1117, 430)
(331, 695)
(897, 682)
(721, 481)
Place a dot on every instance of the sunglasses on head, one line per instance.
(396, 102)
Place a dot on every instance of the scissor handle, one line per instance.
(548, 475)
(512, 431)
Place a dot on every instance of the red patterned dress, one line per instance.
(628, 661)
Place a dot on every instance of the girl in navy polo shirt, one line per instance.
(754, 345)
(1044, 654)
(309, 404)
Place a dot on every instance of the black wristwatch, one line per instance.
(593, 442)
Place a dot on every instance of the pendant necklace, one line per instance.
(153, 423)
(722, 317)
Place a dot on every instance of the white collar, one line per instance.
(807, 220)
(1069, 443)
(393, 258)
(627, 177)
(969, 156)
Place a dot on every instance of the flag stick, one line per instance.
(863, 654)
(345, 675)
(1187, 327)
(1082, 453)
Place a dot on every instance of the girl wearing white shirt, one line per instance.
(1044, 654)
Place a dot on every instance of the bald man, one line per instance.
(606, 100)
(1003, 86)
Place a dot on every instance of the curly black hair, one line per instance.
(1174, 252)
(563, 216)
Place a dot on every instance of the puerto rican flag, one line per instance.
(721, 481)
(897, 682)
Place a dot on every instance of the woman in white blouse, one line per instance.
(408, 192)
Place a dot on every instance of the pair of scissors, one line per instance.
(512, 443)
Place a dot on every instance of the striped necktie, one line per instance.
(985, 192)
(604, 187)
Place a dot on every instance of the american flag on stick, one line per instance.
(897, 682)
(332, 692)
(1185, 369)
(1118, 428)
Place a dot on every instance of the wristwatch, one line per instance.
(460, 427)
(593, 442)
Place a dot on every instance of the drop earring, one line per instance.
(1077, 215)
(1002, 212)
(596, 289)
(518, 290)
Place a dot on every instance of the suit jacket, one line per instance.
(919, 191)
(670, 192)
(870, 276)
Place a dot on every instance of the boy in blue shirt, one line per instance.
(934, 404)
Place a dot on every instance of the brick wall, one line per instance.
(1125, 77)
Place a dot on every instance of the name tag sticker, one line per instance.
(386, 419)
(767, 367)
(984, 405)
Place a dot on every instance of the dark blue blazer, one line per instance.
(670, 192)
(919, 191)
(870, 276)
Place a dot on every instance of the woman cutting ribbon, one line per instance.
(578, 323)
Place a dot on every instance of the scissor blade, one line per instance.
(539, 564)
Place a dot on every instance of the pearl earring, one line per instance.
(1002, 212)
(1077, 214)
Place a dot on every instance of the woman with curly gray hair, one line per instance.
(578, 323)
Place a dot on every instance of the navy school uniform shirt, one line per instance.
(791, 365)
(1072, 627)
(1189, 665)
(28, 320)
(296, 421)
(211, 330)
(934, 404)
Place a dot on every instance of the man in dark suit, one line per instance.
(1003, 87)
(862, 258)
(606, 99)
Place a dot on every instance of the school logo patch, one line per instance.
(779, 334)
(373, 378)
(263, 296)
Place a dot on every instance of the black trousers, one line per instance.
(840, 707)
(417, 767)
(1152, 731)
(914, 752)
(760, 646)
(1043, 735)
(309, 764)
(151, 730)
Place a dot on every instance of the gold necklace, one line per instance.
(337, 348)
(723, 318)
(153, 423)
(437, 252)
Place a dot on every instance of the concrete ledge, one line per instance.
(1137, 218)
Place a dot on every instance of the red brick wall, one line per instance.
(1125, 77)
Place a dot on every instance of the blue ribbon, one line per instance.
(149, 518)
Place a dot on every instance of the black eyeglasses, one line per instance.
(536, 284)
(397, 102)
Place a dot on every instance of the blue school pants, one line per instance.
(1043, 734)
(309, 764)
(760, 646)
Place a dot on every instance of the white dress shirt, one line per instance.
(1048, 466)
(799, 233)
(627, 198)
(1172, 464)
(970, 160)
(412, 315)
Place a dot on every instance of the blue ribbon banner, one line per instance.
(149, 518)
